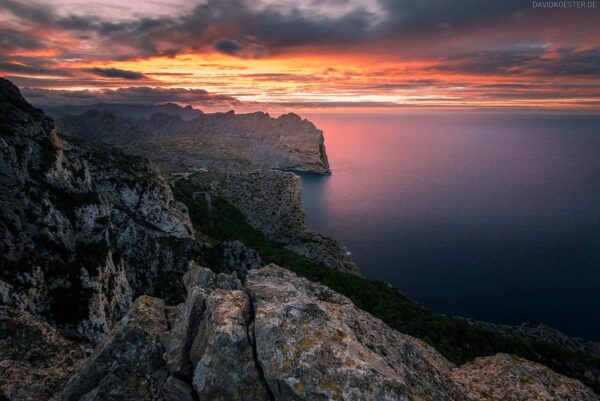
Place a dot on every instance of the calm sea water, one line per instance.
(490, 216)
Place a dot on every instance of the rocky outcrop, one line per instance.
(314, 344)
(84, 228)
(510, 378)
(280, 337)
(271, 202)
(128, 364)
(275, 337)
(287, 142)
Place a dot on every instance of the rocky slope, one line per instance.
(286, 142)
(274, 336)
(84, 228)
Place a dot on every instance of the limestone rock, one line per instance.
(278, 337)
(223, 353)
(84, 227)
(239, 258)
(313, 344)
(183, 332)
(510, 378)
(128, 364)
(35, 360)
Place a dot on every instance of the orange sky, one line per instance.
(274, 56)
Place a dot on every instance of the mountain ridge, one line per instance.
(286, 142)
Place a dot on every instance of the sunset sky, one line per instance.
(303, 54)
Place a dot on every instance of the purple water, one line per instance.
(486, 215)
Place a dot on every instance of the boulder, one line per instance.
(128, 364)
(510, 378)
(223, 354)
(314, 344)
(239, 258)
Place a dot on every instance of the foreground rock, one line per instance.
(275, 337)
(510, 378)
(128, 364)
(314, 344)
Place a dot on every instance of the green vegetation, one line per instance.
(453, 337)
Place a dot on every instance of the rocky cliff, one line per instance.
(257, 139)
(271, 202)
(243, 154)
(84, 228)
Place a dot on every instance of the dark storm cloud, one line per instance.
(116, 73)
(233, 27)
(423, 15)
(145, 95)
(44, 15)
(228, 46)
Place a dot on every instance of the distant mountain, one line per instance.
(287, 142)
(132, 110)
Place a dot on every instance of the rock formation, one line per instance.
(84, 228)
(270, 200)
(277, 337)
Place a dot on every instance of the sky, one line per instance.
(317, 55)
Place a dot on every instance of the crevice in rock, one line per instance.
(252, 338)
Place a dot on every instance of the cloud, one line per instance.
(525, 60)
(59, 43)
(116, 73)
(141, 94)
(244, 50)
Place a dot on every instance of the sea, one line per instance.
(492, 215)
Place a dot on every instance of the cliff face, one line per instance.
(271, 202)
(287, 142)
(85, 228)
